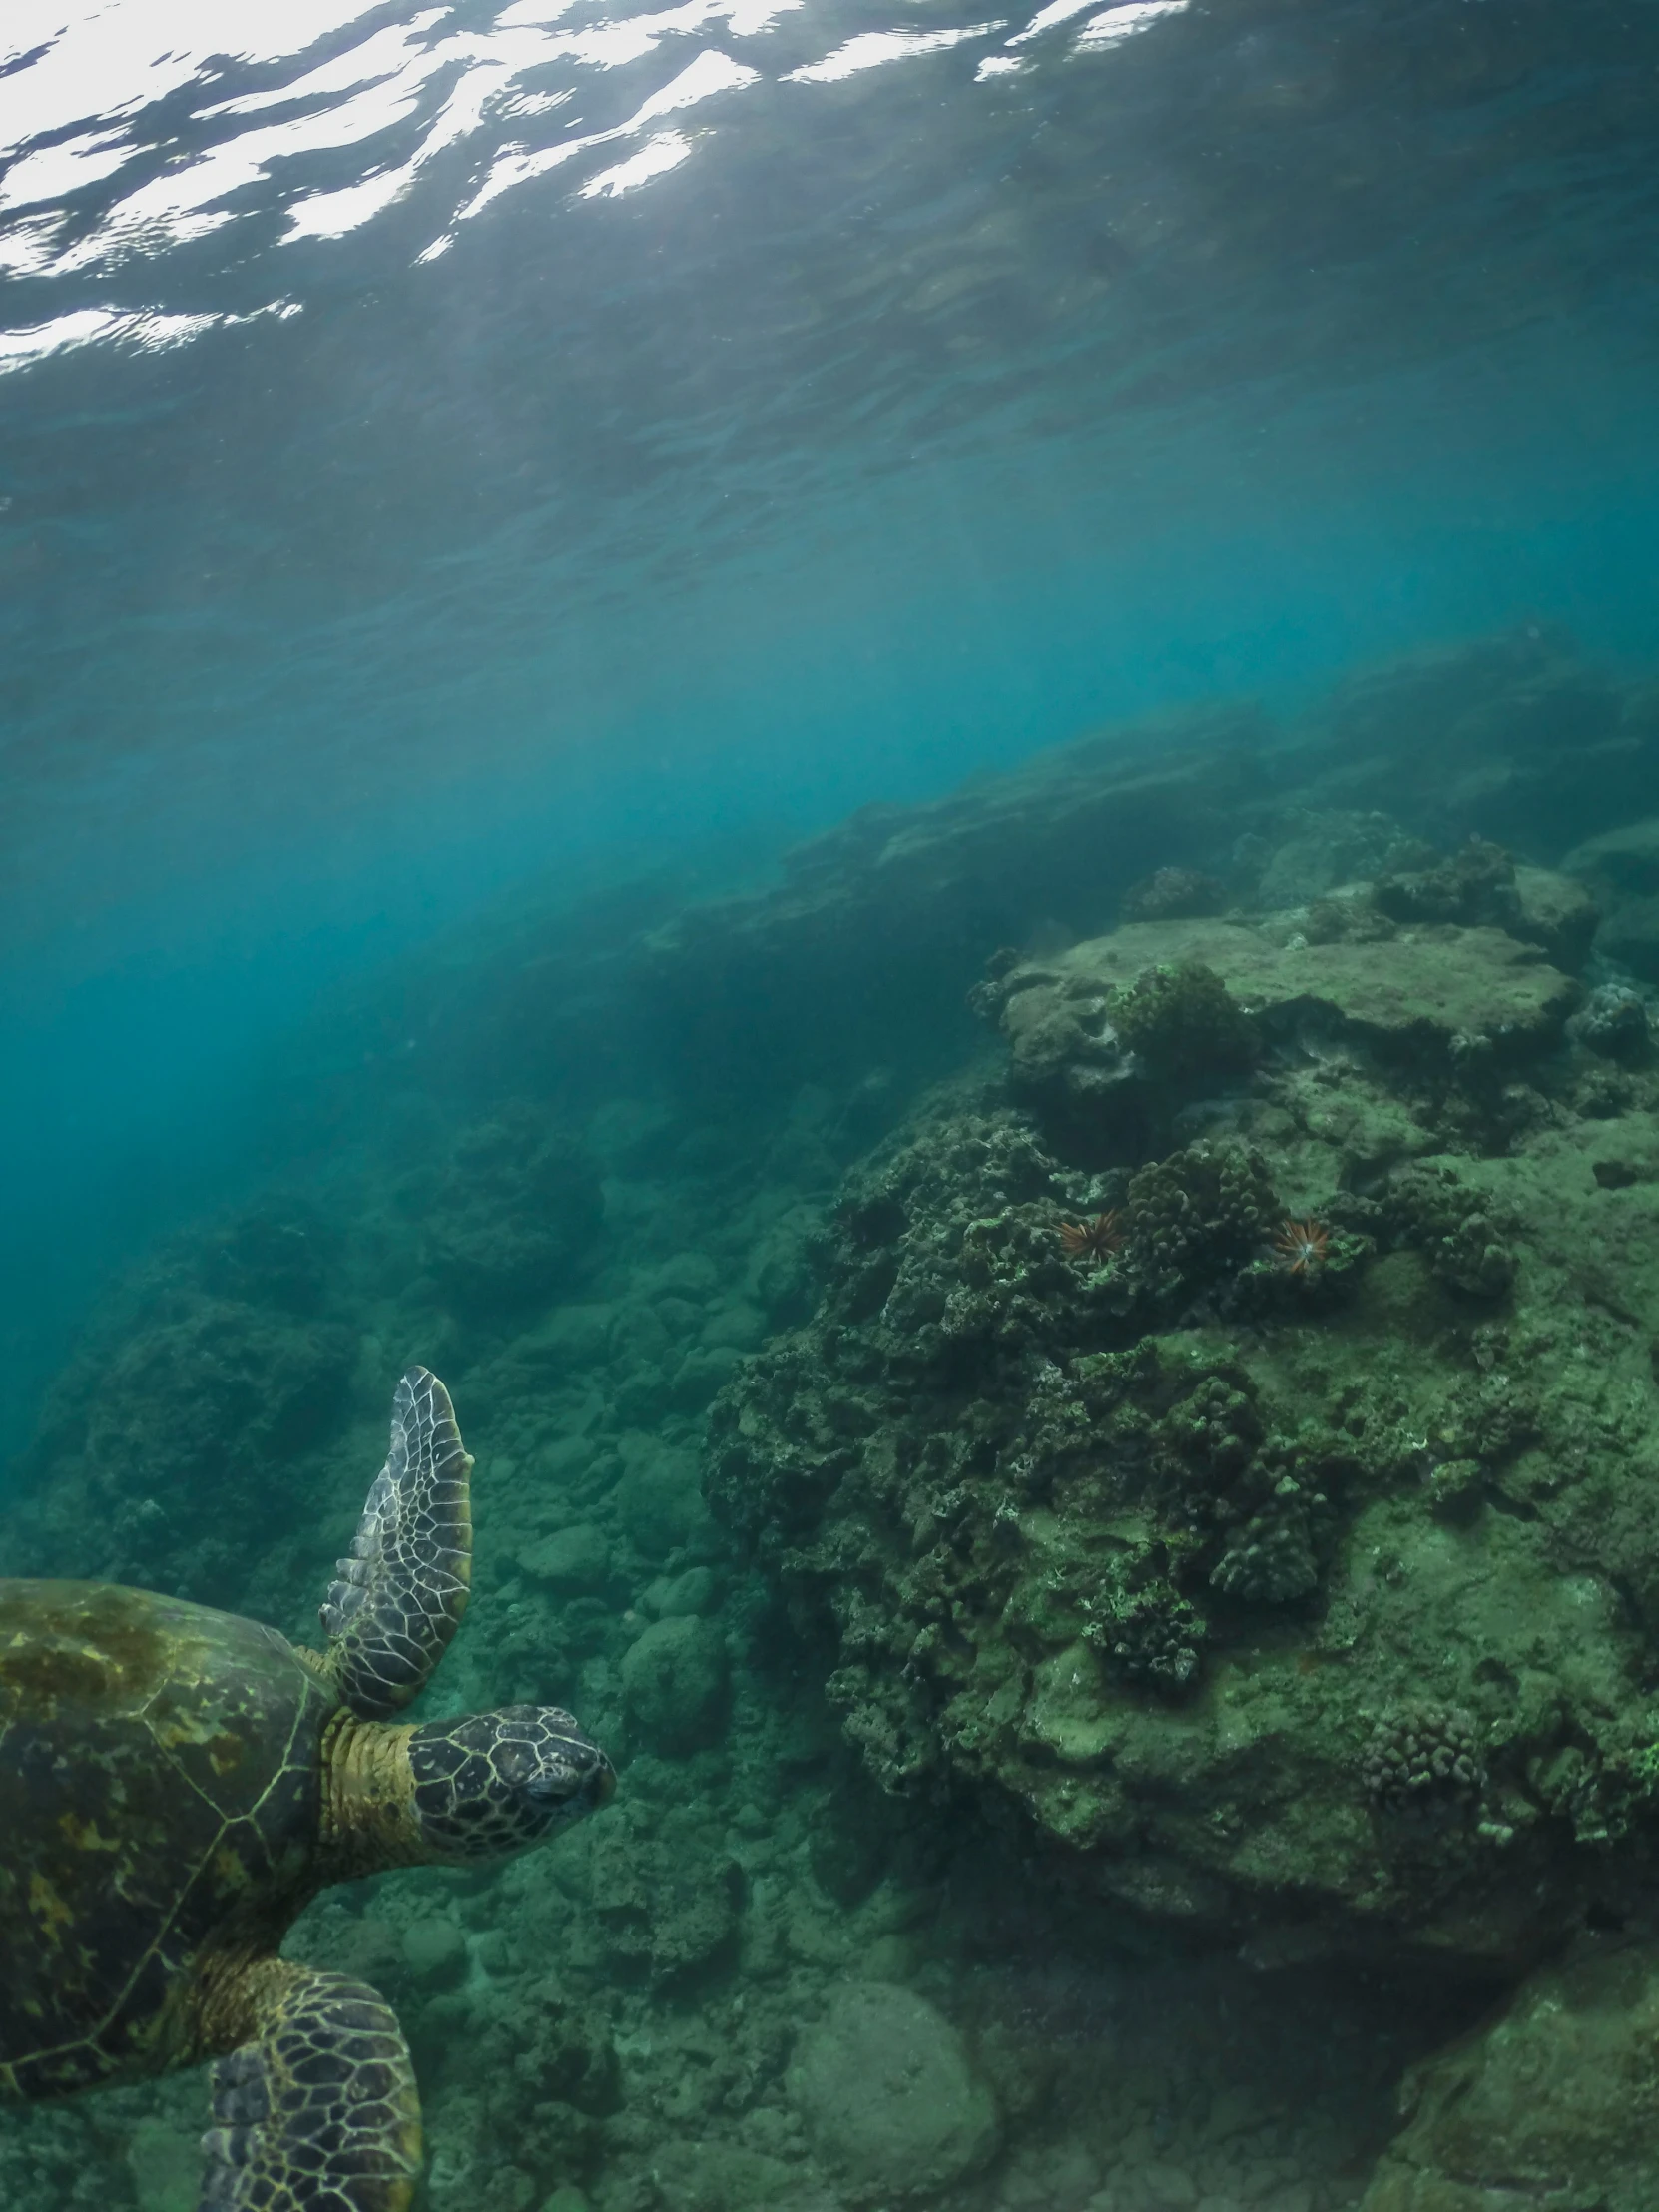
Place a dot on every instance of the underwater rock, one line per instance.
(1621, 867)
(1482, 886)
(703, 1371)
(1613, 1022)
(861, 955)
(278, 1254)
(677, 1597)
(1622, 862)
(1629, 938)
(513, 1217)
(1467, 1248)
(184, 1444)
(674, 1683)
(571, 1339)
(1415, 999)
(1404, 996)
(658, 1500)
(1556, 914)
(1174, 895)
(889, 2096)
(885, 920)
(434, 1950)
(1474, 886)
(1315, 851)
(572, 1562)
(1140, 1535)
(667, 1909)
(1554, 2102)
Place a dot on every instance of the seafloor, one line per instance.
(1071, 1389)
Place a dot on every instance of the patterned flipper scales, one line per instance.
(320, 2112)
(401, 1596)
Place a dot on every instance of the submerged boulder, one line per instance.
(885, 2087)
(1411, 997)
(1553, 2102)
(673, 1682)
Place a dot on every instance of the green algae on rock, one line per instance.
(887, 2093)
(1411, 996)
(1153, 1550)
(1555, 2102)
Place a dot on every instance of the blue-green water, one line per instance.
(478, 486)
(915, 419)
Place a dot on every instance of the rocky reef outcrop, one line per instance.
(1183, 1487)
(1206, 1446)
(863, 949)
(1553, 2102)
(512, 1219)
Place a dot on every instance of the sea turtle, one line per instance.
(176, 1784)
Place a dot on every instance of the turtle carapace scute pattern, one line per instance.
(177, 1784)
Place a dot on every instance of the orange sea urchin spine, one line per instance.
(1303, 1245)
(1095, 1239)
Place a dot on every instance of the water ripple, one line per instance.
(130, 135)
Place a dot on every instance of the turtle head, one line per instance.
(494, 1782)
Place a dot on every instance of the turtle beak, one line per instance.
(572, 1795)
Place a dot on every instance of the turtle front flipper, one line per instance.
(319, 2111)
(401, 1596)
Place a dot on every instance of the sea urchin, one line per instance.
(1303, 1245)
(1095, 1237)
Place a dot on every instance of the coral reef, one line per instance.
(1181, 1022)
(1269, 1582)
(1613, 1021)
(189, 1444)
(1071, 1539)
(1455, 1227)
(1424, 1756)
(1197, 1215)
(514, 1213)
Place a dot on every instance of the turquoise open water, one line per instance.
(445, 446)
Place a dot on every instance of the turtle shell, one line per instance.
(158, 1799)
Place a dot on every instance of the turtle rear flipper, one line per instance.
(399, 1597)
(320, 2112)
